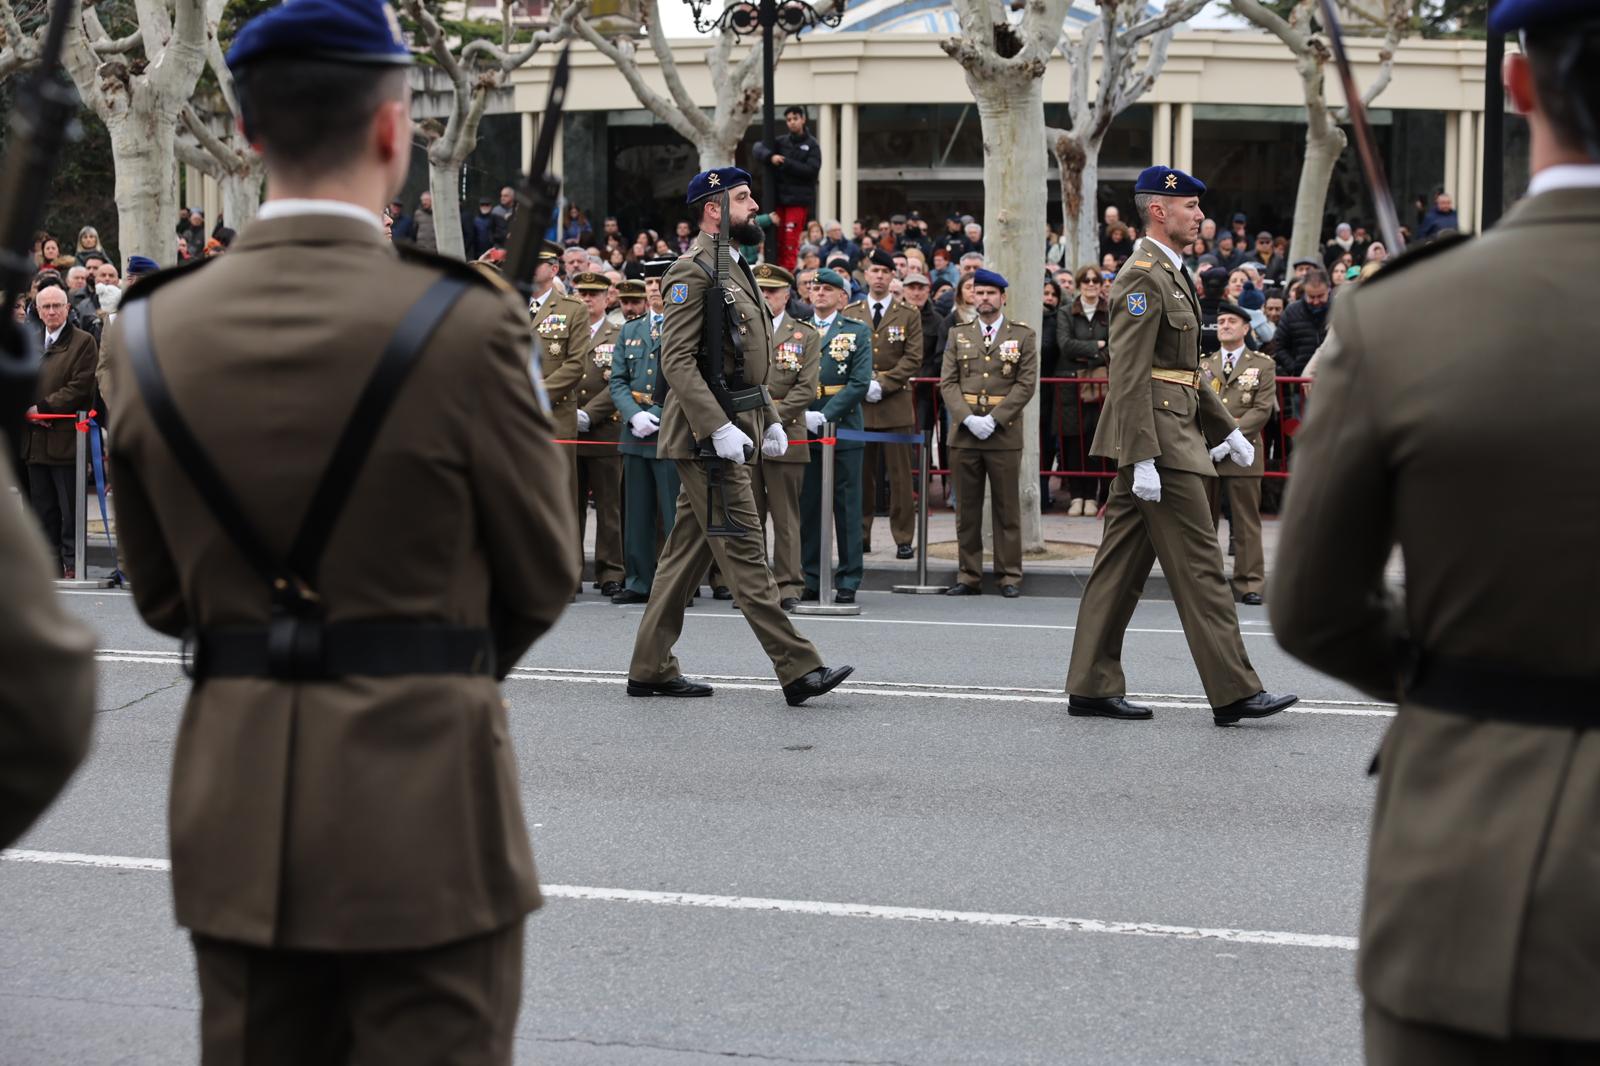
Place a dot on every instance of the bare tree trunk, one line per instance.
(241, 197)
(1079, 166)
(146, 187)
(444, 181)
(1323, 148)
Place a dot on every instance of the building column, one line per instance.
(1452, 152)
(1476, 222)
(1466, 190)
(1161, 136)
(849, 168)
(530, 137)
(1183, 140)
(828, 176)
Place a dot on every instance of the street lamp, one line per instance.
(743, 19)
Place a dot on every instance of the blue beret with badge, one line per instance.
(344, 31)
(722, 179)
(988, 277)
(1165, 181)
(140, 264)
(831, 277)
(1511, 16)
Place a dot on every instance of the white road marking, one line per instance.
(1266, 937)
(858, 620)
(120, 594)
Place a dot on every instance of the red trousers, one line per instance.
(791, 227)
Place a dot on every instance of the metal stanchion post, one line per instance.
(825, 604)
(922, 588)
(80, 547)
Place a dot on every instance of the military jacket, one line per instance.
(844, 371)
(896, 358)
(1155, 407)
(593, 393)
(634, 367)
(997, 380)
(561, 324)
(1250, 394)
(796, 364)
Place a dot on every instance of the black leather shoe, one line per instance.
(1010, 592)
(1261, 705)
(844, 596)
(721, 592)
(627, 596)
(678, 686)
(818, 681)
(1108, 707)
(808, 596)
(904, 552)
(963, 590)
(1251, 599)
(611, 588)
(789, 603)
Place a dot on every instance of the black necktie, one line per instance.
(877, 315)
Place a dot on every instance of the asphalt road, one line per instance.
(934, 864)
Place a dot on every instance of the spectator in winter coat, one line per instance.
(422, 228)
(1441, 217)
(1304, 325)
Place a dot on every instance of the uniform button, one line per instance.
(1165, 403)
(985, 373)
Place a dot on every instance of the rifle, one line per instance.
(41, 124)
(538, 191)
(1366, 147)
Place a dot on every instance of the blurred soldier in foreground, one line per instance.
(348, 846)
(1480, 937)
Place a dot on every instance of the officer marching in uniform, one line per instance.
(348, 846)
(691, 414)
(649, 485)
(990, 372)
(896, 358)
(1480, 933)
(843, 380)
(796, 358)
(558, 320)
(1247, 383)
(1156, 426)
(599, 425)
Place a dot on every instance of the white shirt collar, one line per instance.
(883, 303)
(594, 327)
(824, 323)
(294, 207)
(777, 321)
(1235, 353)
(1565, 176)
(994, 330)
(1176, 257)
(51, 338)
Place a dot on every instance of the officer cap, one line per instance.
(722, 179)
(1510, 16)
(988, 277)
(550, 250)
(880, 258)
(1234, 310)
(139, 264)
(771, 276)
(589, 281)
(632, 289)
(831, 277)
(345, 31)
(655, 268)
(1164, 181)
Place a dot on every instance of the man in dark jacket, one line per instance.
(1304, 325)
(50, 448)
(797, 157)
(485, 229)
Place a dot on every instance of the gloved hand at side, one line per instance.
(583, 420)
(731, 443)
(874, 392)
(644, 424)
(1240, 450)
(980, 426)
(1146, 482)
(776, 441)
(1220, 452)
(814, 421)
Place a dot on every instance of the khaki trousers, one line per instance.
(1000, 468)
(1244, 507)
(1391, 1041)
(452, 1005)
(1176, 530)
(902, 510)
(601, 475)
(777, 491)
(743, 564)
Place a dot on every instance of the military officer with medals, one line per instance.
(558, 321)
(990, 372)
(692, 417)
(599, 426)
(896, 358)
(1480, 928)
(1246, 382)
(844, 376)
(796, 358)
(345, 514)
(649, 485)
(1159, 426)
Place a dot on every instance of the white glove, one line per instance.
(731, 443)
(1146, 482)
(1242, 452)
(980, 426)
(814, 421)
(644, 424)
(583, 421)
(1220, 452)
(775, 443)
(874, 391)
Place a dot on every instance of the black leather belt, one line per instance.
(301, 649)
(1495, 693)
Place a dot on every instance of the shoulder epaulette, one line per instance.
(456, 268)
(1415, 254)
(149, 283)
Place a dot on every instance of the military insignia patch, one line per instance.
(678, 293)
(602, 355)
(1136, 304)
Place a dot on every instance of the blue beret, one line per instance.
(349, 31)
(1509, 16)
(1164, 181)
(139, 264)
(722, 179)
(988, 277)
(831, 277)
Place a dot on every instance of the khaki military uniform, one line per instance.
(560, 323)
(996, 378)
(1250, 394)
(691, 413)
(1481, 913)
(796, 360)
(1157, 408)
(369, 821)
(599, 462)
(896, 358)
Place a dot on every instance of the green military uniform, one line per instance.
(649, 485)
(796, 358)
(1480, 934)
(558, 321)
(842, 378)
(599, 462)
(989, 371)
(896, 358)
(1156, 409)
(1250, 393)
(692, 413)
